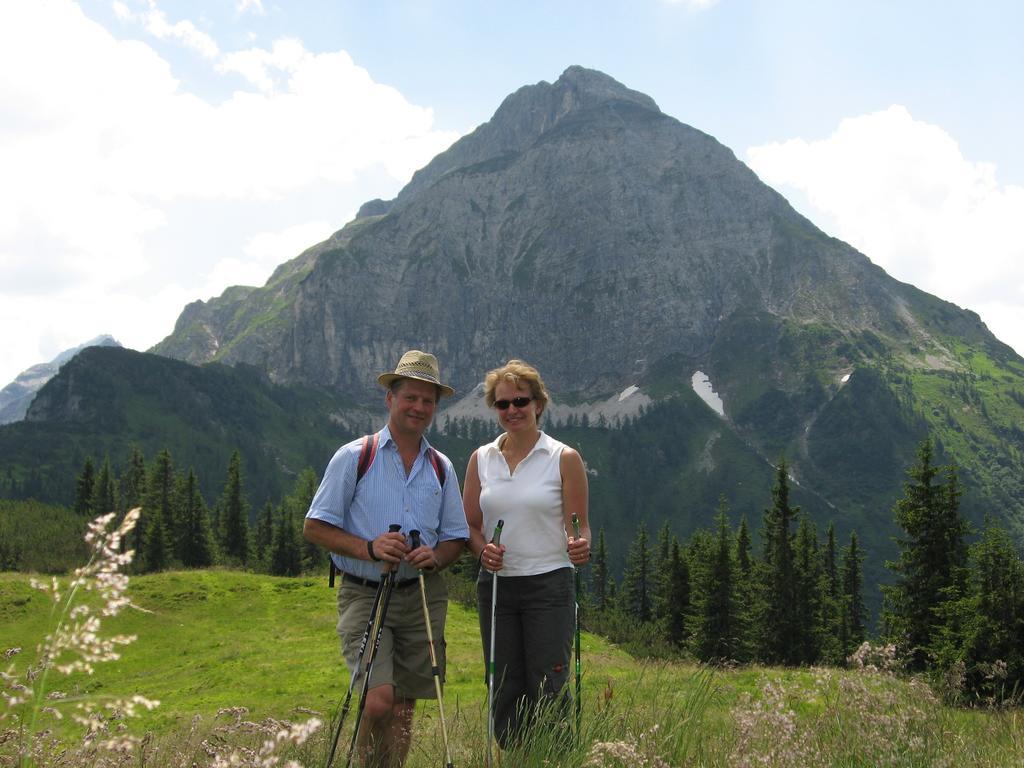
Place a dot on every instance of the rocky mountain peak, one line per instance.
(580, 227)
(525, 116)
(16, 396)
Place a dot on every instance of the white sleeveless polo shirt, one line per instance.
(529, 500)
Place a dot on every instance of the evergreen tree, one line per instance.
(984, 628)
(854, 611)
(829, 564)
(635, 599)
(832, 651)
(157, 510)
(931, 560)
(660, 573)
(713, 630)
(809, 579)
(196, 544)
(779, 625)
(314, 558)
(286, 555)
(104, 491)
(133, 480)
(264, 535)
(744, 559)
(156, 554)
(601, 574)
(678, 596)
(748, 596)
(234, 514)
(83, 488)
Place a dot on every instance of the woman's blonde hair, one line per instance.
(517, 373)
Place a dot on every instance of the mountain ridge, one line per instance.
(16, 396)
(619, 249)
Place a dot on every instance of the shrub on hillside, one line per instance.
(40, 538)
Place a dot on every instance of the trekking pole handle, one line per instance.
(496, 539)
(575, 526)
(415, 536)
(393, 528)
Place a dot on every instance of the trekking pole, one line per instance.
(391, 572)
(579, 681)
(496, 540)
(434, 668)
(352, 678)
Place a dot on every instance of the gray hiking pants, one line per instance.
(533, 644)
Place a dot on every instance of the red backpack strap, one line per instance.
(367, 454)
(437, 464)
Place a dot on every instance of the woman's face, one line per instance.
(515, 418)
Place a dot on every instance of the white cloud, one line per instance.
(102, 150)
(183, 31)
(253, 6)
(901, 191)
(264, 252)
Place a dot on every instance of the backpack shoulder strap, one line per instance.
(367, 453)
(437, 464)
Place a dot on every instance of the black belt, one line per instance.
(348, 577)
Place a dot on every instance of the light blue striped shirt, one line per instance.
(385, 495)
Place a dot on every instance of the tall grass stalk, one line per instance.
(618, 728)
(75, 645)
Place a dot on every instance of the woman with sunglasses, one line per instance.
(535, 485)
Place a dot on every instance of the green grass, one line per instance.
(217, 639)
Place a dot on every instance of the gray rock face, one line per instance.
(581, 229)
(17, 396)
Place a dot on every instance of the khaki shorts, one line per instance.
(403, 658)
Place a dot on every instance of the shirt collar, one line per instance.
(386, 438)
(544, 443)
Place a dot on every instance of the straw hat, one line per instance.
(417, 365)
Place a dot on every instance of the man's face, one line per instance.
(411, 405)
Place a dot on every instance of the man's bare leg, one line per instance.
(399, 735)
(386, 730)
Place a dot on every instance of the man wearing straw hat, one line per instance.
(393, 477)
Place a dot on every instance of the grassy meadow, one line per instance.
(211, 642)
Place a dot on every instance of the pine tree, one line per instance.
(285, 553)
(314, 558)
(83, 488)
(713, 630)
(156, 546)
(234, 511)
(780, 625)
(854, 611)
(601, 575)
(931, 559)
(984, 629)
(832, 651)
(264, 535)
(156, 553)
(133, 480)
(678, 596)
(196, 543)
(635, 599)
(748, 596)
(660, 574)
(809, 578)
(104, 491)
(744, 559)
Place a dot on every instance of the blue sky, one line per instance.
(153, 152)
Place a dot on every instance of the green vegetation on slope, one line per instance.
(220, 639)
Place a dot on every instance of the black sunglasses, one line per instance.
(518, 402)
